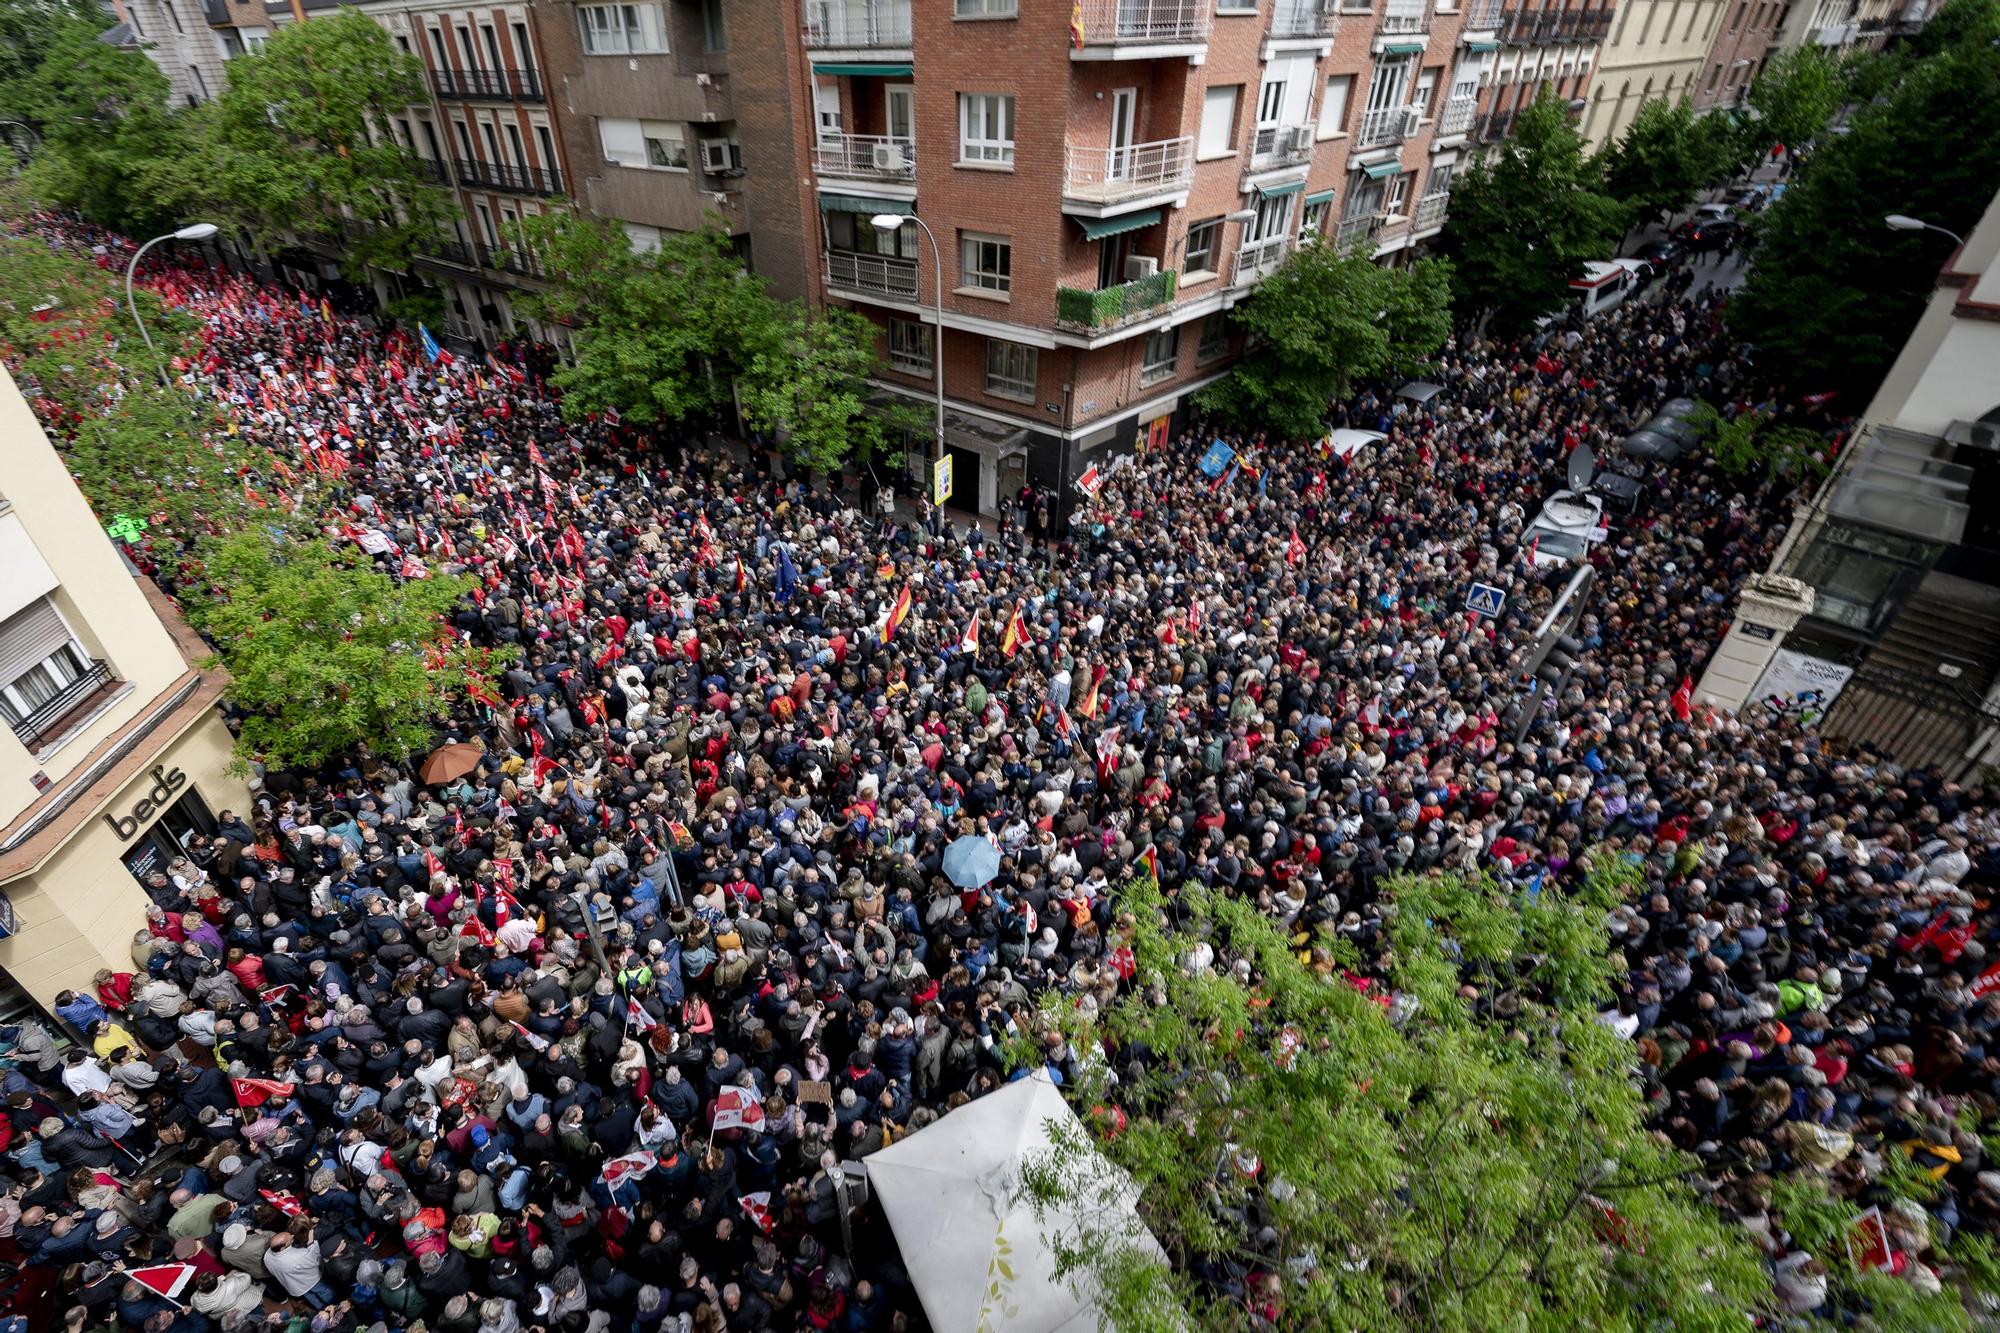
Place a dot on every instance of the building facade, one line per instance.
(114, 755)
(190, 40)
(1746, 40)
(1658, 49)
(1547, 46)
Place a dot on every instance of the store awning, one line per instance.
(861, 203)
(1381, 171)
(835, 68)
(1480, 48)
(1401, 49)
(1279, 191)
(1096, 229)
(1322, 197)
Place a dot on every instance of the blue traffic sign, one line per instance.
(1486, 600)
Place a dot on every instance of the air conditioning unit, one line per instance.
(1299, 139)
(1413, 117)
(720, 157)
(1140, 266)
(890, 157)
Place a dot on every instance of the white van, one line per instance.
(1605, 285)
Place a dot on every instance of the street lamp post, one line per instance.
(1904, 222)
(198, 231)
(889, 224)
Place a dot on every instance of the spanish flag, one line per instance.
(1076, 24)
(325, 310)
(1017, 633)
(1089, 705)
(897, 614)
(740, 579)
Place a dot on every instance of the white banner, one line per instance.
(1800, 686)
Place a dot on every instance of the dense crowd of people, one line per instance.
(581, 1038)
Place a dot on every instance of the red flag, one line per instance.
(898, 613)
(1295, 549)
(758, 1207)
(1683, 700)
(257, 1091)
(285, 1203)
(1016, 635)
(167, 1279)
(1985, 983)
(738, 1108)
(637, 1017)
(632, 1166)
(969, 641)
(1065, 729)
(534, 1039)
(1151, 860)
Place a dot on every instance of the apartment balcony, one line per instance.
(508, 178)
(509, 259)
(1484, 15)
(448, 251)
(1305, 19)
(1360, 230)
(1431, 210)
(858, 25)
(66, 706)
(1385, 126)
(862, 275)
(1585, 26)
(1402, 18)
(876, 158)
(1257, 259)
(1143, 29)
(1114, 307)
(434, 169)
(489, 85)
(1097, 181)
(1274, 147)
(1493, 126)
(1457, 116)
(1834, 34)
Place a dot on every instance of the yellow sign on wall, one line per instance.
(941, 480)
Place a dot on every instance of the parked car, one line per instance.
(1570, 523)
(1711, 213)
(1709, 234)
(1659, 256)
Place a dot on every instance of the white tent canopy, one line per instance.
(952, 1195)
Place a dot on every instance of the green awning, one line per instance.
(903, 68)
(861, 203)
(1323, 197)
(1096, 229)
(1381, 171)
(1398, 49)
(1280, 191)
(1482, 47)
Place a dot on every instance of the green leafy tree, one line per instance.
(306, 129)
(1834, 294)
(808, 384)
(1666, 155)
(1473, 1156)
(28, 30)
(659, 335)
(1794, 98)
(1751, 442)
(1527, 217)
(1324, 320)
(326, 653)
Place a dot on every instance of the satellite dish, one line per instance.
(1582, 467)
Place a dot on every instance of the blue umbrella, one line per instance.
(971, 862)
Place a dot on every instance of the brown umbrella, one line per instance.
(449, 761)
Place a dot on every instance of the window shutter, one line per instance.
(27, 637)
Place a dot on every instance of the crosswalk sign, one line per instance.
(1486, 600)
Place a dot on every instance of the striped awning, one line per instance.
(1096, 229)
(1279, 191)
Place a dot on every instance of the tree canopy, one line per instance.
(1326, 319)
(807, 382)
(1793, 98)
(1665, 157)
(1526, 217)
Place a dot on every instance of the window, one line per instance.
(1204, 238)
(437, 48)
(547, 144)
(1235, 6)
(985, 263)
(174, 16)
(910, 346)
(523, 49)
(465, 141)
(644, 239)
(986, 127)
(1010, 370)
(666, 145)
(1333, 107)
(984, 9)
(1426, 85)
(854, 233)
(200, 84)
(1163, 349)
(1218, 121)
(826, 103)
(1312, 224)
(492, 39)
(658, 144)
(486, 232)
(619, 30)
(714, 34)
(38, 661)
(1214, 337)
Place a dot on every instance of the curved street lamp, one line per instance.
(889, 224)
(1904, 222)
(197, 231)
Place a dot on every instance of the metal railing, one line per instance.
(1258, 258)
(513, 179)
(434, 169)
(1109, 307)
(1431, 210)
(454, 252)
(1522, 26)
(1493, 126)
(41, 724)
(879, 275)
(1456, 118)
(857, 24)
(1305, 18)
(1483, 15)
(1108, 175)
(878, 157)
(1281, 146)
(510, 259)
(489, 85)
(1382, 126)
(1405, 16)
(1123, 22)
(1352, 231)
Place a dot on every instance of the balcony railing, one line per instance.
(455, 252)
(1143, 22)
(1258, 258)
(878, 275)
(1483, 15)
(45, 722)
(489, 85)
(1405, 16)
(432, 168)
(1493, 126)
(1111, 175)
(513, 179)
(1110, 307)
(1305, 18)
(874, 157)
(1538, 27)
(1281, 146)
(1382, 126)
(1356, 230)
(1591, 25)
(510, 259)
(1456, 118)
(857, 24)
(1431, 210)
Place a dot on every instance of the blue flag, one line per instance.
(431, 348)
(788, 575)
(1217, 458)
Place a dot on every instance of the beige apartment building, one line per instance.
(114, 755)
(1658, 49)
